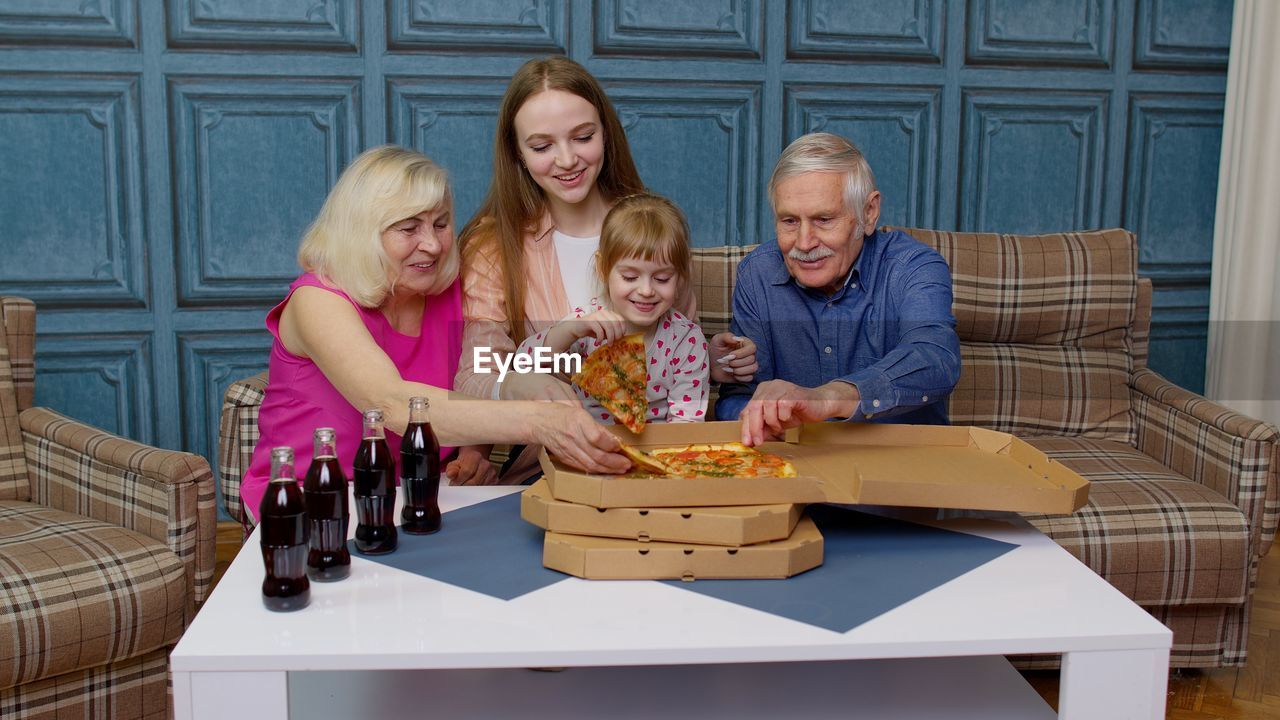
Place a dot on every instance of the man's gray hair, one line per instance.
(825, 152)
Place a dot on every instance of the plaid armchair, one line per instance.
(106, 550)
(1053, 331)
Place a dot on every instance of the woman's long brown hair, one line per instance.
(515, 203)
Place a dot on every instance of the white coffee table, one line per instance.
(388, 641)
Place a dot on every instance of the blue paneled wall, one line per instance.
(161, 159)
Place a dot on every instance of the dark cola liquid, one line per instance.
(420, 479)
(325, 489)
(373, 479)
(284, 548)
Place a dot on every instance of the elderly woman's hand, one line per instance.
(570, 434)
(471, 467)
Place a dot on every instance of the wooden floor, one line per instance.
(1248, 693)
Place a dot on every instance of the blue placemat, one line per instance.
(484, 547)
(870, 566)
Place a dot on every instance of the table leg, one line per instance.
(1114, 684)
(230, 695)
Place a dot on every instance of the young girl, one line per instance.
(644, 264)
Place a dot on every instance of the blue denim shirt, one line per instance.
(888, 330)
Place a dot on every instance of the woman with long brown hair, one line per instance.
(560, 162)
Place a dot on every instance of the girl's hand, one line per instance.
(604, 325)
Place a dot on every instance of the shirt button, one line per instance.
(827, 349)
(853, 285)
(875, 403)
(924, 398)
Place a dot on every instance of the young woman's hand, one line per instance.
(733, 358)
(470, 467)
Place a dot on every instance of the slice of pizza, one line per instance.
(644, 464)
(614, 375)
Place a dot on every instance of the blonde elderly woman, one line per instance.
(376, 318)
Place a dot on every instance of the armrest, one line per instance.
(163, 494)
(237, 436)
(1214, 446)
(20, 337)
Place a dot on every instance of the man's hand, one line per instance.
(471, 467)
(778, 405)
(733, 358)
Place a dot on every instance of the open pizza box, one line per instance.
(731, 525)
(601, 558)
(846, 463)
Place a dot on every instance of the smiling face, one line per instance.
(642, 291)
(417, 248)
(561, 143)
(820, 238)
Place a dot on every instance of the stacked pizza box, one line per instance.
(654, 537)
(680, 543)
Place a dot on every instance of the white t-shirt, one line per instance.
(577, 267)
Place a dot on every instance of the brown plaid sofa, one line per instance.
(1053, 332)
(106, 549)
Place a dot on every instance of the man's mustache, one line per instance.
(817, 253)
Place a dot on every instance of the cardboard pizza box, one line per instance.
(847, 463)
(598, 558)
(733, 525)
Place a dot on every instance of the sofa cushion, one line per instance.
(1152, 533)
(1052, 390)
(76, 592)
(1045, 324)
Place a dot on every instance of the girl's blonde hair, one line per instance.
(383, 186)
(648, 227)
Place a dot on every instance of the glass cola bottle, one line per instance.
(373, 478)
(325, 490)
(420, 472)
(284, 533)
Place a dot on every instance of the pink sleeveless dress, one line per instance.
(299, 398)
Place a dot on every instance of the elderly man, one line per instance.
(850, 322)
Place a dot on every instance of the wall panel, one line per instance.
(253, 160)
(314, 24)
(478, 26)
(718, 123)
(100, 379)
(1061, 32)
(728, 28)
(71, 186)
(211, 361)
(1183, 34)
(1032, 161)
(452, 122)
(897, 128)
(112, 23)
(877, 30)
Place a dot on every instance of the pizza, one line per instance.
(615, 376)
(715, 460)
